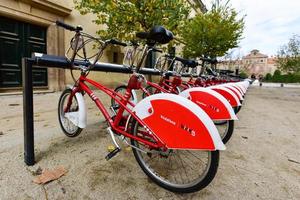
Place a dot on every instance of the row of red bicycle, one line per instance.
(176, 127)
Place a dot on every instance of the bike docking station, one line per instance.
(51, 61)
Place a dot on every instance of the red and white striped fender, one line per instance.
(238, 87)
(213, 103)
(234, 90)
(178, 122)
(228, 94)
(244, 85)
(247, 82)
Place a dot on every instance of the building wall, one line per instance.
(258, 64)
(42, 13)
(45, 13)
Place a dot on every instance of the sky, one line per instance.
(268, 24)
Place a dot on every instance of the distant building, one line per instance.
(255, 63)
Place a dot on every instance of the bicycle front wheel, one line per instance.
(181, 171)
(151, 90)
(68, 127)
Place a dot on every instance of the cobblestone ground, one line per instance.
(262, 160)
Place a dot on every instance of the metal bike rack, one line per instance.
(51, 61)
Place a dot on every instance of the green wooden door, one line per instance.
(17, 40)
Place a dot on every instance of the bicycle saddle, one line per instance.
(158, 34)
(191, 63)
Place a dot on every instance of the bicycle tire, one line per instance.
(77, 130)
(120, 89)
(155, 175)
(152, 91)
(237, 110)
(227, 134)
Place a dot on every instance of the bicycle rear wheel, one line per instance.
(121, 90)
(181, 171)
(225, 129)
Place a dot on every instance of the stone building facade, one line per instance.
(255, 63)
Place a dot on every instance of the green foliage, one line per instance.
(125, 17)
(282, 78)
(286, 78)
(289, 55)
(277, 72)
(268, 77)
(213, 33)
(243, 75)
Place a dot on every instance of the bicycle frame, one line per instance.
(123, 101)
(159, 88)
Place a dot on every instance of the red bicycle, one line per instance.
(178, 152)
(171, 82)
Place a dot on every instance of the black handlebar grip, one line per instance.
(67, 26)
(187, 62)
(113, 41)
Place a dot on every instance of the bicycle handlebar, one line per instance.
(186, 62)
(114, 41)
(67, 26)
(209, 60)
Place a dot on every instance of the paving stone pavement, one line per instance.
(262, 160)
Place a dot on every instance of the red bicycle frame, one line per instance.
(114, 123)
(164, 85)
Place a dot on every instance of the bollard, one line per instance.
(260, 84)
(281, 85)
(28, 111)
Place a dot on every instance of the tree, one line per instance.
(289, 56)
(125, 17)
(243, 75)
(213, 33)
(268, 77)
(277, 73)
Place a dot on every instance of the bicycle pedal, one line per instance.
(117, 106)
(113, 153)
